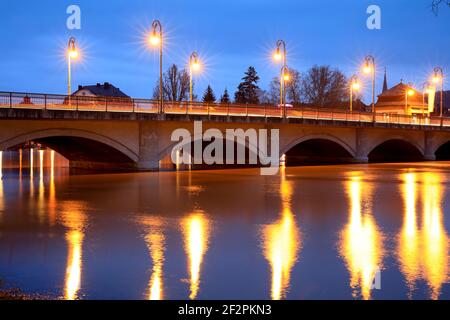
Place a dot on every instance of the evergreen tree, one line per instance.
(248, 89)
(209, 96)
(225, 99)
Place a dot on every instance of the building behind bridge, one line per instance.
(100, 90)
(401, 99)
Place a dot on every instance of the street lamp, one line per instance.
(426, 89)
(354, 86)
(72, 54)
(408, 93)
(156, 40)
(285, 76)
(439, 77)
(281, 56)
(194, 65)
(370, 69)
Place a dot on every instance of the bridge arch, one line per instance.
(321, 148)
(250, 149)
(78, 146)
(395, 149)
(442, 150)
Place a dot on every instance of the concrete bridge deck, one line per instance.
(96, 132)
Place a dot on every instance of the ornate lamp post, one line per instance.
(194, 65)
(370, 69)
(354, 86)
(439, 78)
(425, 90)
(156, 40)
(409, 92)
(72, 54)
(286, 77)
(281, 56)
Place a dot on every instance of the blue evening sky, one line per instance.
(228, 35)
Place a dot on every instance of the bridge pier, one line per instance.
(154, 139)
(429, 157)
(148, 165)
(361, 159)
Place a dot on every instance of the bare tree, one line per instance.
(175, 85)
(324, 87)
(264, 97)
(437, 3)
(273, 94)
(294, 87)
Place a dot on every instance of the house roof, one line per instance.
(397, 94)
(397, 90)
(103, 90)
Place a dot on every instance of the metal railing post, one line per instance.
(10, 100)
(45, 102)
(106, 104)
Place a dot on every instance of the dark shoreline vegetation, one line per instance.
(15, 294)
(18, 295)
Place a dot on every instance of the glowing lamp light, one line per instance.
(287, 77)
(356, 86)
(73, 54)
(277, 55)
(436, 79)
(195, 66)
(410, 92)
(155, 39)
(367, 69)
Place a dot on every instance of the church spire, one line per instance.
(385, 85)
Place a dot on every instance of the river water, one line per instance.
(344, 232)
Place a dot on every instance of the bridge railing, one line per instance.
(34, 101)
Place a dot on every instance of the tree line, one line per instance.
(320, 86)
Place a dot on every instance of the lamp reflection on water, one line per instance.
(52, 203)
(434, 235)
(281, 243)
(196, 230)
(155, 241)
(31, 162)
(31, 173)
(423, 253)
(408, 248)
(20, 162)
(41, 164)
(2, 202)
(361, 241)
(74, 219)
(41, 190)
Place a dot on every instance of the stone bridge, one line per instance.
(142, 141)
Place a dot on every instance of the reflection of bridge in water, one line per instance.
(99, 132)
